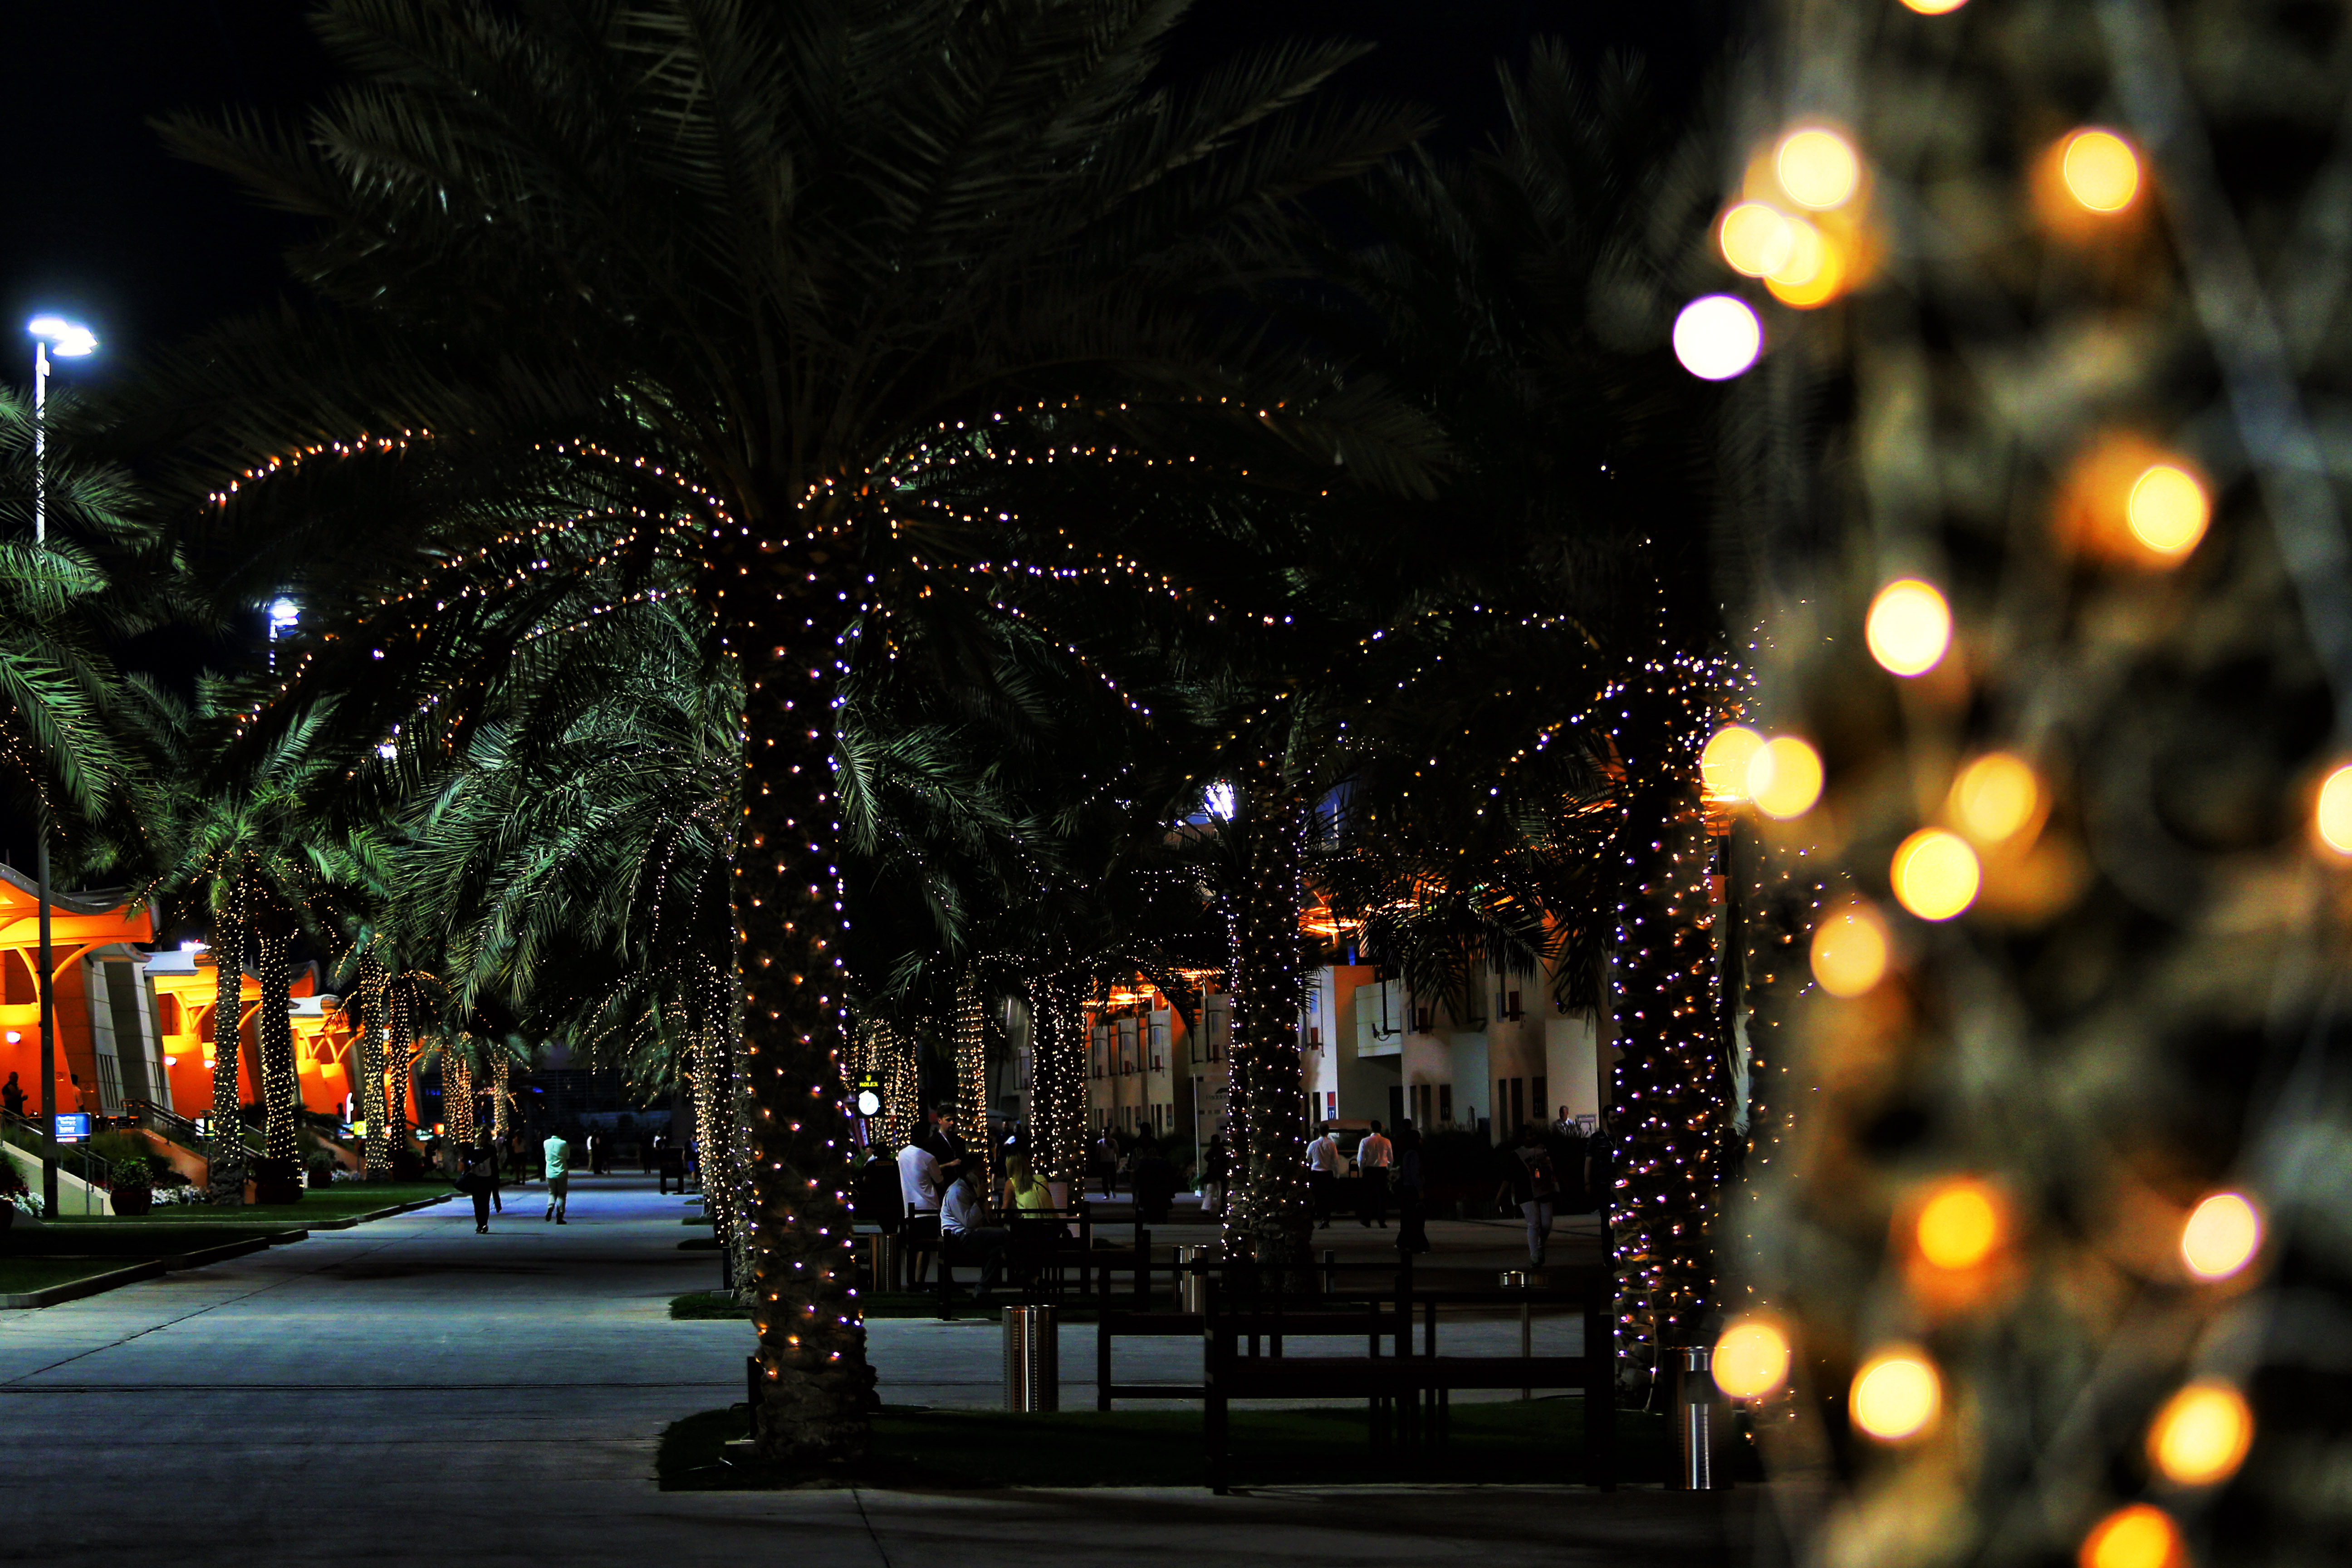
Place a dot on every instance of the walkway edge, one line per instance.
(196, 1257)
(73, 1290)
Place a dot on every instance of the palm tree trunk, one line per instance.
(457, 1096)
(375, 996)
(971, 1073)
(1268, 1214)
(274, 1029)
(1667, 1090)
(815, 1387)
(501, 1071)
(1058, 1080)
(225, 1147)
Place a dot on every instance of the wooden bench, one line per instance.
(1269, 1327)
(1406, 1392)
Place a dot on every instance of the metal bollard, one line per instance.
(1033, 1360)
(1516, 1279)
(1191, 1291)
(1693, 1395)
(885, 1269)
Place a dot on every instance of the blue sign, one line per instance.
(73, 1126)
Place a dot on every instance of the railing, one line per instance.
(166, 1123)
(85, 1163)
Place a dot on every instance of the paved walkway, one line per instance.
(408, 1392)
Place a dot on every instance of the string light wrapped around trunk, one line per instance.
(1268, 1215)
(971, 1072)
(457, 1094)
(1669, 1099)
(225, 1146)
(373, 1007)
(282, 1085)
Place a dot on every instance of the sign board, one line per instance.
(869, 1096)
(73, 1126)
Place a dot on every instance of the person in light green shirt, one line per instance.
(558, 1154)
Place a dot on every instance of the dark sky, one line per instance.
(104, 224)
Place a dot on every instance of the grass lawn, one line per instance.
(22, 1275)
(1533, 1443)
(704, 1304)
(340, 1202)
(125, 1242)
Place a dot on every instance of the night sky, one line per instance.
(104, 224)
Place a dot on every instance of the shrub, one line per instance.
(117, 1148)
(133, 1171)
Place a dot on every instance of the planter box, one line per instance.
(132, 1200)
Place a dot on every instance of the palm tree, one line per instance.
(68, 756)
(715, 283)
(254, 853)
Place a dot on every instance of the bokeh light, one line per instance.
(1815, 272)
(2202, 1434)
(1750, 1359)
(1818, 168)
(2222, 1236)
(1909, 626)
(1936, 874)
(2167, 510)
(1784, 777)
(1755, 238)
(1961, 1226)
(1716, 337)
(1722, 765)
(1850, 951)
(1934, 7)
(1896, 1394)
(2101, 171)
(2137, 1536)
(2331, 816)
(1995, 797)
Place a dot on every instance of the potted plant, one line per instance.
(322, 1171)
(276, 1181)
(131, 1184)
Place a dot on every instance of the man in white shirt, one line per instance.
(1322, 1175)
(918, 1185)
(965, 1236)
(1374, 1155)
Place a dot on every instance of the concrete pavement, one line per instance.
(407, 1391)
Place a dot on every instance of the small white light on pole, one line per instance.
(1717, 337)
(72, 340)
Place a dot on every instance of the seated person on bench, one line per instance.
(963, 1235)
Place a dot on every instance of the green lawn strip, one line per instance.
(23, 1276)
(1536, 1442)
(698, 1220)
(704, 1304)
(126, 1242)
(324, 1203)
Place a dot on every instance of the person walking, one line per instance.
(1154, 1182)
(1410, 1237)
(1530, 1180)
(1322, 1176)
(493, 1176)
(1374, 1155)
(557, 1152)
(12, 1095)
(474, 1181)
(1106, 1154)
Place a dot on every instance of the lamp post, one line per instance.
(71, 341)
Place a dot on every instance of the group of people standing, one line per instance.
(1384, 1165)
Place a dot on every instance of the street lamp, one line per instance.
(71, 340)
(285, 615)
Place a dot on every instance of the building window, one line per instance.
(1445, 1105)
(1539, 1099)
(1511, 1006)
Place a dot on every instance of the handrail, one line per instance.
(95, 1168)
(169, 1123)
